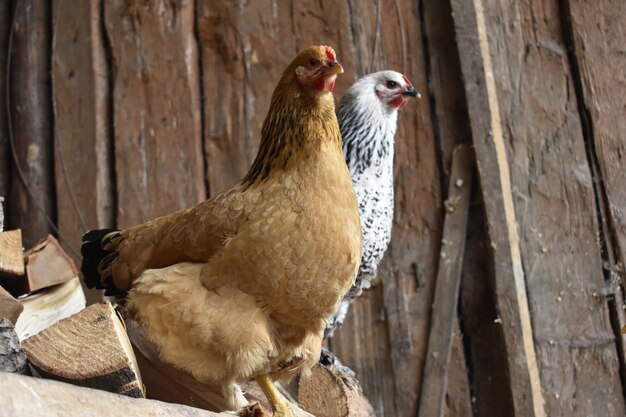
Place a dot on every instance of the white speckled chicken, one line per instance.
(240, 286)
(368, 114)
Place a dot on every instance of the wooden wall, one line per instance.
(150, 106)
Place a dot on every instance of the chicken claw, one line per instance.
(280, 406)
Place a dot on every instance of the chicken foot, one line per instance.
(280, 406)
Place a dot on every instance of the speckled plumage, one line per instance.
(368, 114)
(242, 284)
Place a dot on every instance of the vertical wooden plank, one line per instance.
(451, 127)
(444, 309)
(31, 121)
(494, 172)
(5, 150)
(525, 106)
(599, 33)
(81, 115)
(158, 152)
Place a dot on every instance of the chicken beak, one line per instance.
(334, 67)
(411, 91)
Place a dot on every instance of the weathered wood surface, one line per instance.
(445, 302)
(47, 264)
(156, 108)
(44, 308)
(451, 127)
(531, 83)
(12, 254)
(493, 167)
(599, 32)
(481, 323)
(45, 398)
(82, 135)
(89, 349)
(12, 356)
(5, 149)
(186, 60)
(325, 394)
(554, 201)
(31, 121)
(10, 308)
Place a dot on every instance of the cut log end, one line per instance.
(89, 349)
(11, 254)
(325, 394)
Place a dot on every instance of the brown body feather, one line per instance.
(242, 284)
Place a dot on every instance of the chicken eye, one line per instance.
(312, 63)
(391, 84)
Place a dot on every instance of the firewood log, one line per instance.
(47, 264)
(10, 308)
(46, 307)
(11, 255)
(12, 356)
(326, 393)
(90, 349)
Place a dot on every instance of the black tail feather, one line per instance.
(97, 256)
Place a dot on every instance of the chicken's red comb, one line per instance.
(330, 54)
(406, 79)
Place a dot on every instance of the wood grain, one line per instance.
(31, 395)
(5, 150)
(156, 108)
(31, 120)
(554, 203)
(89, 349)
(12, 253)
(445, 302)
(599, 31)
(10, 308)
(84, 188)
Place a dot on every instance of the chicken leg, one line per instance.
(280, 406)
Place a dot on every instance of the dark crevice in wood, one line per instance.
(203, 144)
(443, 184)
(111, 71)
(483, 340)
(607, 235)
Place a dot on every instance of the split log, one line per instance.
(11, 254)
(10, 308)
(326, 394)
(12, 356)
(444, 314)
(43, 309)
(47, 264)
(90, 349)
(38, 397)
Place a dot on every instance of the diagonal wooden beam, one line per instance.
(493, 168)
(432, 402)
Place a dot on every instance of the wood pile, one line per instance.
(46, 331)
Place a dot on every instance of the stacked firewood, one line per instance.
(47, 331)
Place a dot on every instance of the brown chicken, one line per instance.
(240, 286)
